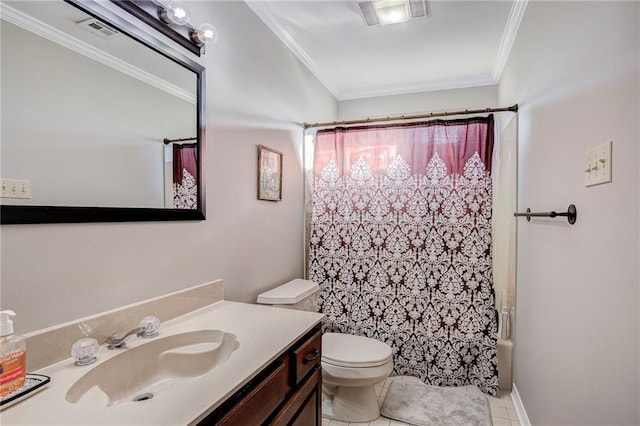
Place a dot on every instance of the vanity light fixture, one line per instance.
(386, 12)
(176, 13)
(172, 19)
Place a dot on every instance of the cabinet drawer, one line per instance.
(306, 357)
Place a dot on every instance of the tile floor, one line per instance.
(502, 411)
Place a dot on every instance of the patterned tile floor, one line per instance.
(502, 411)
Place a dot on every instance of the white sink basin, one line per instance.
(141, 372)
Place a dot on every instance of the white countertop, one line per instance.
(263, 333)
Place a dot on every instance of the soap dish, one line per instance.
(32, 384)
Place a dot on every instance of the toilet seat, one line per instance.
(348, 350)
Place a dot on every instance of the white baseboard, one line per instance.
(519, 407)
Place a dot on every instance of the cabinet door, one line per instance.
(309, 414)
(304, 406)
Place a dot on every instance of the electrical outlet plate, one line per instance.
(597, 168)
(15, 188)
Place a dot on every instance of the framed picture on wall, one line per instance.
(269, 174)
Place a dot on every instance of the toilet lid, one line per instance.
(347, 350)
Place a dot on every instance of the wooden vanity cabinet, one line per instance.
(287, 392)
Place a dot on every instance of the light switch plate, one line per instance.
(15, 188)
(597, 168)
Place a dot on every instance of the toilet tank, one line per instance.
(296, 294)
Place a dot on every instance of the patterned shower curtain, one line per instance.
(400, 244)
(185, 171)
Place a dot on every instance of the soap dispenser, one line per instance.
(13, 356)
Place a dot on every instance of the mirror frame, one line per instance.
(16, 214)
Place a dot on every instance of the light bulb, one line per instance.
(175, 13)
(205, 34)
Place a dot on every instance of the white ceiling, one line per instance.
(459, 44)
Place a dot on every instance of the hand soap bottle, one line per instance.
(13, 356)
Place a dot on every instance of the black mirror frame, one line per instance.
(13, 214)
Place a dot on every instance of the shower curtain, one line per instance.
(400, 244)
(185, 169)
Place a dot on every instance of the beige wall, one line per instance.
(574, 72)
(257, 93)
(415, 103)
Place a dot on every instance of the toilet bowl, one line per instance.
(351, 365)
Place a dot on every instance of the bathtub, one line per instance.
(505, 357)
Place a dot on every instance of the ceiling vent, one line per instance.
(384, 12)
(369, 13)
(98, 28)
(418, 8)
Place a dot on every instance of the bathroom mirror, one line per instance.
(88, 102)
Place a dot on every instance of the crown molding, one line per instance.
(508, 36)
(28, 23)
(266, 15)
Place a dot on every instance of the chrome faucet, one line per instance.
(115, 342)
(148, 327)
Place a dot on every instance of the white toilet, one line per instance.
(351, 365)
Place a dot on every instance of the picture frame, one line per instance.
(269, 174)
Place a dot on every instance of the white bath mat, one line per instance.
(419, 404)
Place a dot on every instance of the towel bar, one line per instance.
(570, 214)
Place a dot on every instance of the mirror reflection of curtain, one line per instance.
(400, 244)
(185, 189)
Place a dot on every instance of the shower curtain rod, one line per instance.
(513, 108)
(168, 141)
